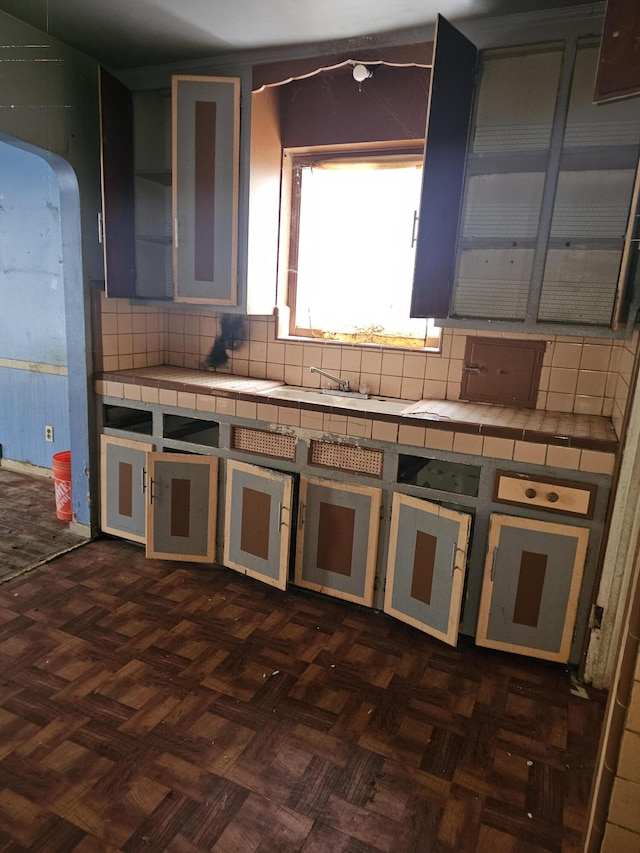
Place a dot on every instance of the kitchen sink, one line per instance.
(337, 401)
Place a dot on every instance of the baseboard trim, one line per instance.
(25, 468)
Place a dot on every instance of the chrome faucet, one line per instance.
(343, 384)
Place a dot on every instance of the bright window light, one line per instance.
(355, 250)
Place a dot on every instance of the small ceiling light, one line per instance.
(361, 72)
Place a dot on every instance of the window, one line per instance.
(351, 249)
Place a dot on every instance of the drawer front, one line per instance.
(546, 494)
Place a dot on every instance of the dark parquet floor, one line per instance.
(153, 706)
(30, 531)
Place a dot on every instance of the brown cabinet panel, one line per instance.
(498, 370)
(619, 64)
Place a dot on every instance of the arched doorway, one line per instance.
(44, 351)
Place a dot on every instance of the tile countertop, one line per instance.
(591, 432)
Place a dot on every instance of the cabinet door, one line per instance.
(257, 529)
(182, 506)
(448, 120)
(338, 539)
(426, 566)
(619, 65)
(122, 487)
(206, 113)
(116, 159)
(531, 585)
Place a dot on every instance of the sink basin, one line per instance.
(337, 401)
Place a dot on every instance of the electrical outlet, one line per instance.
(48, 433)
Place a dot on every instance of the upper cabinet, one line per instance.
(170, 162)
(542, 233)
(448, 115)
(528, 205)
(116, 226)
(206, 138)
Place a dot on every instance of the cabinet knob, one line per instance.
(552, 497)
(530, 493)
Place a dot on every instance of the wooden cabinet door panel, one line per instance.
(531, 585)
(257, 530)
(182, 507)
(426, 566)
(338, 539)
(122, 487)
(206, 139)
(448, 120)
(116, 160)
(619, 63)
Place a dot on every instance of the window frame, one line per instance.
(296, 160)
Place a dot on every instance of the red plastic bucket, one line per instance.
(62, 481)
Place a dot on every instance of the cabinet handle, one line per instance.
(530, 493)
(453, 558)
(175, 232)
(473, 368)
(100, 228)
(280, 521)
(493, 563)
(150, 491)
(144, 480)
(413, 229)
(552, 497)
(302, 509)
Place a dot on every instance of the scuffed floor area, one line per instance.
(30, 531)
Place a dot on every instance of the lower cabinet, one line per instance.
(182, 506)
(257, 527)
(426, 566)
(533, 570)
(531, 583)
(123, 465)
(337, 543)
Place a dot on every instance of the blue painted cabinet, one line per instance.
(337, 543)
(206, 146)
(123, 483)
(531, 584)
(182, 507)
(257, 530)
(426, 566)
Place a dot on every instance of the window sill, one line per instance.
(432, 345)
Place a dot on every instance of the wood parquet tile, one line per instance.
(30, 531)
(153, 706)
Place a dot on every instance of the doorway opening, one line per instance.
(44, 357)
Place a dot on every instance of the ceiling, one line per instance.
(132, 33)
